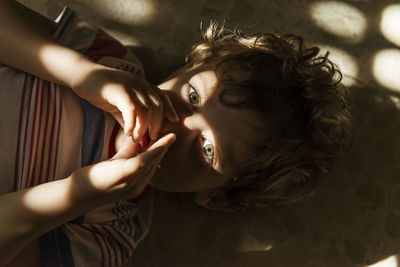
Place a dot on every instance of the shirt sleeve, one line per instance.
(107, 235)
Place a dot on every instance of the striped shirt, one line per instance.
(48, 132)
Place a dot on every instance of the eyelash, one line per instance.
(202, 140)
(195, 106)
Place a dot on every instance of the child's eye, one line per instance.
(208, 150)
(194, 97)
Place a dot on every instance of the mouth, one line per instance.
(144, 143)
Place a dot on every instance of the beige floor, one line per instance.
(354, 219)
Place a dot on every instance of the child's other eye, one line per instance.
(208, 150)
(194, 97)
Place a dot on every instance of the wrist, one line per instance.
(85, 192)
(84, 67)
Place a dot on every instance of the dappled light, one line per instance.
(386, 68)
(329, 14)
(346, 63)
(390, 23)
(353, 219)
(136, 12)
(48, 200)
(252, 245)
(388, 262)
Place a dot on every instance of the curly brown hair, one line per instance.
(279, 76)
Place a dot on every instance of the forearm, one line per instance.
(29, 213)
(26, 44)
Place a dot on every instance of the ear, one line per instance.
(214, 200)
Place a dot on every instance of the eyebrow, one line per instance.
(203, 83)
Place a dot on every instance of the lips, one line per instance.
(144, 143)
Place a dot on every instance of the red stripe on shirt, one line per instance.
(32, 133)
(42, 156)
(39, 107)
(26, 132)
(93, 232)
(21, 109)
(110, 245)
(129, 245)
(58, 129)
(53, 121)
(118, 256)
(32, 158)
(106, 245)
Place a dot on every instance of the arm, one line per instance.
(32, 212)
(43, 56)
(29, 213)
(26, 44)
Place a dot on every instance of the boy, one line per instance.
(261, 121)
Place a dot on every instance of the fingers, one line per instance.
(127, 110)
(157, 149)
(169, 109)
(153, 106)
(156, 113)
(164, 141)
(142, 108)
(145, 165)
(143, 111)
(124, 178)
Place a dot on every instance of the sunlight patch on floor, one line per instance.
(250, 244)
(136, 12)
(347, 64)
(390, 23)
(388, 262)
(386, 68)
(340, 19)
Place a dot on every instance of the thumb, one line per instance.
(125, 152)
(154, 154)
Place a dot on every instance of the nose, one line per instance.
(184, 111)
(190, 125)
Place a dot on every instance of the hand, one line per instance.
(121, 178)
(136, 104)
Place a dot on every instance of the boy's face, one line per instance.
(211, 137)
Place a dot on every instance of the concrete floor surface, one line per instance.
(354, 218)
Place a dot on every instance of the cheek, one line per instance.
(180, 167)
(180, 173)
(185, 175)
(181, 170)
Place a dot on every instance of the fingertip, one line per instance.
(172, 137)
(169, 139)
